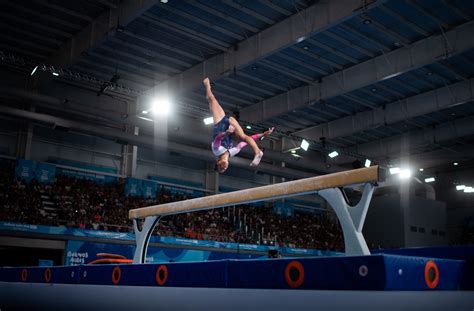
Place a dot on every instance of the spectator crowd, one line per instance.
(85, 204)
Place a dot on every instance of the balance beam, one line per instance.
(269, 192)
(351, 218)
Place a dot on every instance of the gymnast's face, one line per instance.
(222, 164)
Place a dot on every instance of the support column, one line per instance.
(212, 179)
(129, 156)
(277, 145)
(129, 152)
(25, 139)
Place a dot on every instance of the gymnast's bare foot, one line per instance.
(257, 158)
(269, 131)
(206, 82)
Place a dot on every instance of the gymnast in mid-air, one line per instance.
(224, 128)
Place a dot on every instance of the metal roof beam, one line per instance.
(317, 58)
(456, 10)
(200, 21)
(159, 44)
(30, 44)
(44, 17)
(286, 71)
(224, 16)
(414, 139)
(97, 30)
(416, 55)
(185, 31)
(381, 46)
(147, 73)
(252, 13)
(427, 13)
(348, 43)
(402, 18)
(264, 82)
(382, 28)
(9, 47)
(37, 26)
(150, 53)
(334, 51)
(276, 7)
(248, 85)
(400, 110)
(271, 40)
(302, 63)
(64, 10)
(11, 30)
(158, 66)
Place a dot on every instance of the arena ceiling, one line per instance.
(385, 79)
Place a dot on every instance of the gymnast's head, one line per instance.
(222, 163)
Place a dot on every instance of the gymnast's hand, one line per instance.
(230, 130)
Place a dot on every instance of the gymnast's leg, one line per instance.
(239, 132)
(216, 109)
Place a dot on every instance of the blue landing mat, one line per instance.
(376, 272)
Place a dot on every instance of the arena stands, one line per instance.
(85, 204)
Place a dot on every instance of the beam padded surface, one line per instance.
(290, 188)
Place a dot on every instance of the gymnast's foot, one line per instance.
(206, 82)
(257, 158)
(269, 131)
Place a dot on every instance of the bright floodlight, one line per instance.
(293, 151)
(460, 187)
(33, 71)
(55, 74)
(394, 170)
(248, 127)
(208, 121)
(422, 169)
(455, 163)
(304, 145)
(144, 112)
(161, 106)
(405, 173)
(367, 163)
(429, 179)
(333, 154)
(469, 189)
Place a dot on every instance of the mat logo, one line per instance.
(76, 258)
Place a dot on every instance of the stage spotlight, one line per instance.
(405, 173)
(55, 74)
(304, 145)
(144, 112)
(208, 121)
(429, 179)
(33, 71)
(161, 106)
(367, 163)
(455, 163)
(394, 170)
(333, 154)
(468, 189)
(248, 127)
(460, 187)
(422, 169)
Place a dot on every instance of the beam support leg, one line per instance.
(142, 237)
(351, 218)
